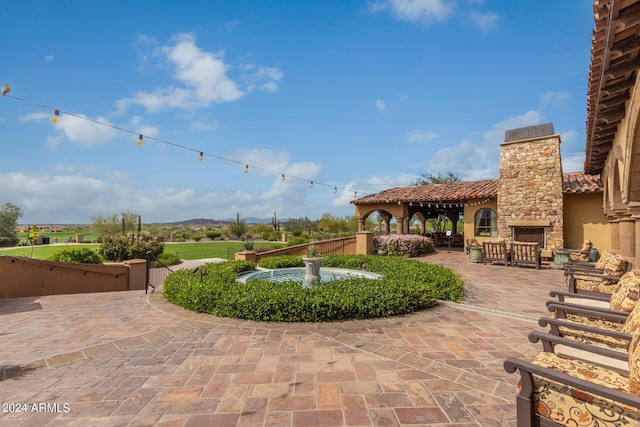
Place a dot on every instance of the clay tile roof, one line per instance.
(580, 182)
(615, 60)
(574, 182)
(450, 192)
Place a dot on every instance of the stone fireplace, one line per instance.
(530, 198)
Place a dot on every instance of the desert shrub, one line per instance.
(120, 248)
(407, 285)
(6, 242)
(298, 241)
(80, 255)
(406, 245)
(296, 233)
(196, 237)
(212, 234)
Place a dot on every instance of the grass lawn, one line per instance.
(200, 250)
(63, 236)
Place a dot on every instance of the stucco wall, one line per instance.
(584, 219)
(470, 214)
(23, 277)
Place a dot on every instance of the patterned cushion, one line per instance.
(616, 266)
(594, 338)
(627, 293)
(604, 258)
(573, 407)
(634, 365)
(632, 324)
(594, 284)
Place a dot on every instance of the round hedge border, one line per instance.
(407, 285)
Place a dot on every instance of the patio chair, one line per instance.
(596, 281)
(558, 390)
(495, 251)
(526, 253)
(623, 298)
(581, 254)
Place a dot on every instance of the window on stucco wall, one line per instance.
(486, 223)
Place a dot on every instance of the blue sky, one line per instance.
(358, 95)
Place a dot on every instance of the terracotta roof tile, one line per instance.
(580, 182)
(574, 182)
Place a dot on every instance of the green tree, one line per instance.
(9, 215)
(427, 178)
(112, 224)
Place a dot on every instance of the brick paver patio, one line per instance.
(130, 359)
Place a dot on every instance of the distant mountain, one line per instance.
(205, 221)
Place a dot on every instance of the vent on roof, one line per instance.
(529, 132)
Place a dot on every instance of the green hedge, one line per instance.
(80, 255)
(407, 285)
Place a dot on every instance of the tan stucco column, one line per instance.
(615, 234)
(399, 225)
(423, 226)
(627, 237)
(360, 224)
(405, 225)
(364, 243)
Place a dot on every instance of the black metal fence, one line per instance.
(156, 272)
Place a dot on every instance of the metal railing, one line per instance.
(155, 276)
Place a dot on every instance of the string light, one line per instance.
(56, 116)
(335, 190)
(355, 194)
(6, 90)
(311, 185)
(283, 178)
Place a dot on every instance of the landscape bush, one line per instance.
(79, 255)
(212, 234)
(297, 241)
(120, 248)
(6, 242)
(284, 261)
(406, 286)
(406, 245)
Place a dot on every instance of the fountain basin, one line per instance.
(297, 274)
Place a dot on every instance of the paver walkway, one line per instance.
(130, 359)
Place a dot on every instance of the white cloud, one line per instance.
(204, 125)
(202, 77)
(423, 11)
(416, 136)
(484, 21)
(553, 98)
(265, 78)
(34, 117)
(229, 26)
(85, 132)
(48, 58)
(574, 162)
(369, 185)
(471, 161)
(380, 105)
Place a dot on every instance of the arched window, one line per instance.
(486, 223)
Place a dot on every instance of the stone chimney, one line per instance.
(530, 193)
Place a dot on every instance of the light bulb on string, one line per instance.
(355, 194)
(335, 190)
(56, 116)
(246, 168)
(201, 158)
(311, 184)
(283, 178)
(140, 143)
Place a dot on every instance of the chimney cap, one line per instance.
(529, 132)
